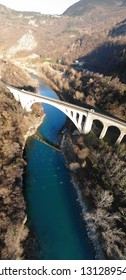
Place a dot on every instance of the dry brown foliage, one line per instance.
(14, 126)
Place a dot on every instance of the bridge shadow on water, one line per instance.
(44, 140)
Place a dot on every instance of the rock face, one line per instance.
(26, 42)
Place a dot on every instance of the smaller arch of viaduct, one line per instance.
(81, 117)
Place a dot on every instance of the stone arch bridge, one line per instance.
(82, 117)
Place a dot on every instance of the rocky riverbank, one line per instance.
(16, 125)
(101, 191)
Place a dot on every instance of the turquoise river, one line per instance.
(52, 205)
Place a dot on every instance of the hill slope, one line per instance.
(63, 38)
(84, 6)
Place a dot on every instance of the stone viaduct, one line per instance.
(82, 117)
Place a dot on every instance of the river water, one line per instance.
(52, 206)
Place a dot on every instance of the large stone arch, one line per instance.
(72, 114)
(82, 118)
(27, 99)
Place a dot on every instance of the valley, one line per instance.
(81, 54)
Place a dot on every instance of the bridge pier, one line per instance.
(88, 124)
(74, 113)
(74, 118)
(118, 141)
(103, 132)
(79, 123)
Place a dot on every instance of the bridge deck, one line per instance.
(68, 105)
